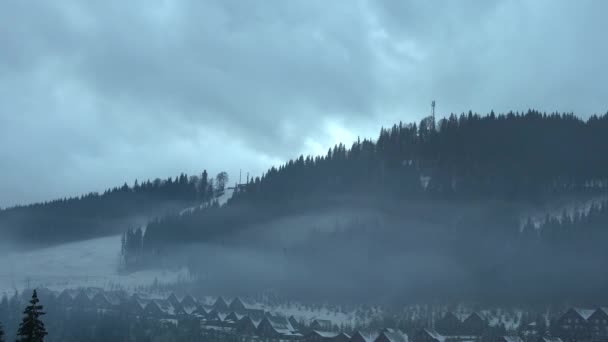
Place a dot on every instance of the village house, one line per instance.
(243, 306)
(189, 304)
(66, 298)
(175, 302)
(108, 301)
(248, 326)
(573, 325)
(598, 324)
(277, 327)
(392, 335)
(449, 324)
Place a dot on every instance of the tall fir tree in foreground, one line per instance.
(32, 328)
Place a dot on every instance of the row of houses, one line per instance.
(575, 324)
(240, 318)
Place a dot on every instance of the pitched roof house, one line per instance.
(277, 327)
(392, 335)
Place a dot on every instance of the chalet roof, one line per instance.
(166, 307)
(602, 310)
(220, 304)
(325, 334)
(394, 335)
(281, 325)
(245, 303)
(114, 299)
(584, 313)
(152, 306)
(368, 336)
(256, 313)
(435, 335)
(136, 300)
(190, 309)
(188, 301)
(456, 315)
(347, 336)
(254, 321)
(215, 315)
(173, 299)
(233, 316)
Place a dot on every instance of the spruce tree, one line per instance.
(32, 328)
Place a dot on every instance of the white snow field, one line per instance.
(90, 263)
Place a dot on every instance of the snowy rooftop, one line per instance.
(585, 313)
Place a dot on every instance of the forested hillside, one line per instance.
(95, 214)
(513, 157)
(441, 204)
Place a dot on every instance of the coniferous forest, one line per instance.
(446, 202)
(95, 214)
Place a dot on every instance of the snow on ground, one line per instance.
(556, 209)
(221, 199)
(90, 263)
(336, 315)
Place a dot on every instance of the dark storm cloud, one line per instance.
(97, 92)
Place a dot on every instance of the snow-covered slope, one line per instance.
(87, 263)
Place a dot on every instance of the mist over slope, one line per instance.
(95, 215)
(89, 263)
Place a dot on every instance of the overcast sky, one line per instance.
(96, 93)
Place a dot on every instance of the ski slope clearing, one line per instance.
(89, 263)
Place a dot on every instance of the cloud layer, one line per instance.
(96, 93)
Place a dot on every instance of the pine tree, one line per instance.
(32, 328)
